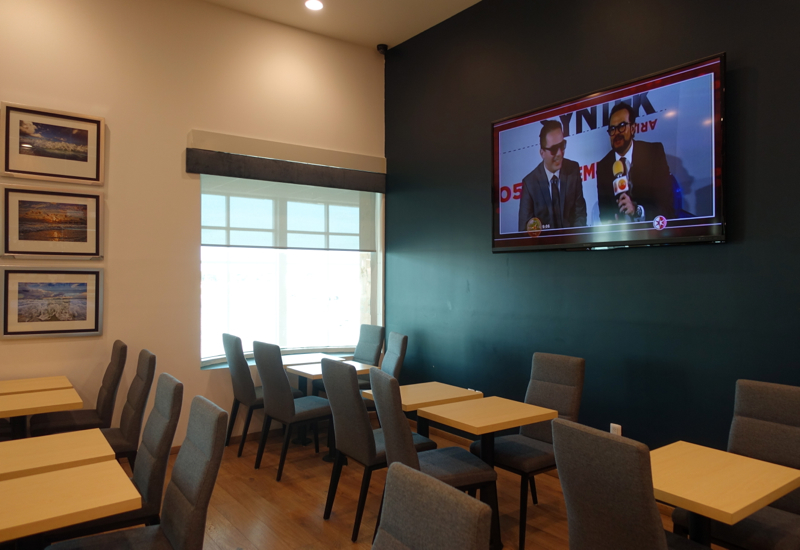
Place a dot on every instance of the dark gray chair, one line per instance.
(368, 351)
(150, 469)
(765, 426)
(280, 405)
(422, 513)
(125, 439)
(452, 465)
(556, 383)
(355, 437)
(245, 392)
(183, 517)
(392, 363)
(608, 491)
(86, 419)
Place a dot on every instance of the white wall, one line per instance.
(157, 69)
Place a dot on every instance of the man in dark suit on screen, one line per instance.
(633, 180)
(553, 192)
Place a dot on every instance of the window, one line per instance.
(294, 265)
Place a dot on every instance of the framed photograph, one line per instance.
(52, 145)
(52, 302)
(43, 223)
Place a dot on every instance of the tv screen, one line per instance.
(637, 164)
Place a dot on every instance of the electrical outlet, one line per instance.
(616, 429)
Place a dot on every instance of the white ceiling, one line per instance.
(364, 22)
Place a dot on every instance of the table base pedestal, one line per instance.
(699, 529)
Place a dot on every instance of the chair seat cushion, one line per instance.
(767, 529)
(296, 393)
(318, 385)
(309, 407)
(117, 441)
(674, 542)
(64, 421)
(364, 384)
(420, 443)
(143, 538)
(519, 453)
(456, 467)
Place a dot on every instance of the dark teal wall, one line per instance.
(665, 331)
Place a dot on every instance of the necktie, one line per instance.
(556, 203)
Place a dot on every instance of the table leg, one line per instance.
(423, 426)
(19, 430)
(302, 438)
(699, 529)
(487, 448)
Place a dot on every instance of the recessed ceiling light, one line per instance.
(314, 5)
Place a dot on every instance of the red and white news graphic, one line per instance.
(660, 222)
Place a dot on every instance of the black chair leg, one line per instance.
(362, 500)
(335, 473)
(244, 431)
(315, 429)
(234, 410)
(262, 443)
(286, 439)
(533, 489)
(523, 511)
(380, 512)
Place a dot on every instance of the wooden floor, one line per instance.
(250, 510)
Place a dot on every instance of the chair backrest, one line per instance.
(154, 450)
(396, 345)
(351, 424)
(107, 396)
(608, 490)
(766, 426)
(243, 388)
(396, 432)
(278, 398)
(130, 423)
(556, 383)
(423, 513)
(183, 517)
(370, 342)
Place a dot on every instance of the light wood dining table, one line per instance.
(427, 394)
(716, 485)
(486, 416)
(20, 398)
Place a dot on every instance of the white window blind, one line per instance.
(298, 266)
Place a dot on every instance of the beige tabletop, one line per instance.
(305, 358)
(487, 415)
(27, 385)
(37, 455)
(723, 486)
(314, 371)
(427, 394)
(38, 503)
(21, 404)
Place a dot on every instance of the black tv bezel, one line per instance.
(613, 244)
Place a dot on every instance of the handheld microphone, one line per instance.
(621, 182)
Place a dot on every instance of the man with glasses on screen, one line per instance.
(633, 180)
(552, 195)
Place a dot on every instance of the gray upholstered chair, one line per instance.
(355, 437)
(280, 405)
(245, 392)
(765, 426)
(608, 491)
(183, 517)
(125, 439)
(86, 419)
(150, 469)
(392, 362)
(422, 513)
(452, 465)
(368, 351)
(556, 383)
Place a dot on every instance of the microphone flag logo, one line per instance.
(660, 222)
(534, 227)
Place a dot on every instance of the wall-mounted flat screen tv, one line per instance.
(637, 164)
